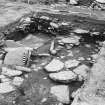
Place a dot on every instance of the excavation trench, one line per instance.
(37, 85)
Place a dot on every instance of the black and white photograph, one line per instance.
(52, 52)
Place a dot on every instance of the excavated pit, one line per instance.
(35, 88)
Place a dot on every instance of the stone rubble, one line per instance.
(54, 66)
(61, 92)
(81, 71)
(101, 1)
(74, 2)
(17, 81)
(6, 88)
(9, 72)
(70, 40)
(3, 78)
(94, 56)
(80, 31)
(21, 68)
(71, 63)
(63, 76)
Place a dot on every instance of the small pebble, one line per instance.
(43, 100)
(89, 59)
(45, 78)
(70, 54)
(81, 58)
(87, 45)
(94, 56)
(53, 52)
(80, 31)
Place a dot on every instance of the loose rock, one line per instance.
(54, 66)
(71, 63)
(101, 1)
(80, 31)
(17, 81)
(21, 68)
(73, 2)
(63, 76)
(82, 71)
(9, 72)
(6, 88)
(94, 56)
(61, 92)
(3, 78)
(71, 40)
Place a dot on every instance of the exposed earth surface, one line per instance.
(51, 54)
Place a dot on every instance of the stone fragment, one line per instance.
(73, 2)
(17, 81)
(101, 1)
(71, 63)
(88, 45)
(70, 53)
(71, 40)
(82, 71)
(54, 66)
(43, 100)
(61, 92)
(21, 68)
(63, 76)
(6, 88)
(95, 33)
(9, 72)
(45, 17)
(3, 78)
(94, 56)
(55, 25)
(81, 58)
(1, 56)
(80, 31)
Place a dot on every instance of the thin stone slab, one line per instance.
(10, 72)
(82, 71)
(54, 66)
(6, 88)
(63, 76)
(61, 92)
